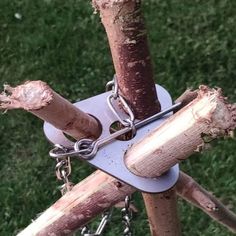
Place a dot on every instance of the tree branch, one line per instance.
(191, 191)
(125, 28)
(162, 213)
(39, 99)
(208, 113)
(127, 35)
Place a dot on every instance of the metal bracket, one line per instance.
(110, 157)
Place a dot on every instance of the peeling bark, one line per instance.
(124, 24)
(39, 99)
(209, 114)
(191, 191)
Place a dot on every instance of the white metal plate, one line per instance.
(110, 157)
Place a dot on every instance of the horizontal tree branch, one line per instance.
(191, 191)
(39, 99)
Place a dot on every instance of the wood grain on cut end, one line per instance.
(32, 95)
(188, 96)
(38, 98)
(208, 114)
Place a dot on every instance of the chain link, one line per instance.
(116, 96)
(63, 171)
(127, 216)
(106, 217)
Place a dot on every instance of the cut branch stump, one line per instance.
(39, 99)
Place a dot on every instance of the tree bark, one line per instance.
(162, 213)
(124, 25)
(191, 191)
(39, 99)
(85, 201)
(127, 35)
(100, 191)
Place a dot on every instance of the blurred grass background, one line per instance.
(64, 44)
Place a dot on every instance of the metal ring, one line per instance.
(85, 148)
(127, 108)
(109, 85)
(112, 108)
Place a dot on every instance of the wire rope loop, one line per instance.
(129, 122)
(86, 148)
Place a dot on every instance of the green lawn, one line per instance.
(64, 44)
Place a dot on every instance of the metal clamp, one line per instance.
(109, 158)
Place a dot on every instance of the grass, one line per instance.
(64, 44)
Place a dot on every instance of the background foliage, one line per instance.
(64, 44)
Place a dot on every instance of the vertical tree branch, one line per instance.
(127, 37)
(124, 24)
(162, 213)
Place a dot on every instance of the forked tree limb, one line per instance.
(124, 25)
(191, 191)
(100, 191)
(38, 98)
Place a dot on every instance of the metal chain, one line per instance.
(63, 171)
(127, 215)
(116, 96)
(106, 217)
